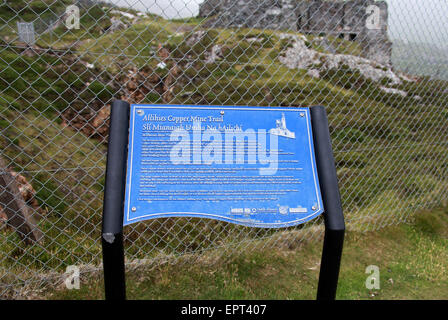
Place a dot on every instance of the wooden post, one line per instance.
(15, 208)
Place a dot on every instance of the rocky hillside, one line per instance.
(55, 98)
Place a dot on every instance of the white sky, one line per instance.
(409, 20)
(419, 20)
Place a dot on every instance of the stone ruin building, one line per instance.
(352, 20)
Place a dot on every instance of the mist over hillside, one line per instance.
(424, 59)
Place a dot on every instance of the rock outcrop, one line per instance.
(299, 56)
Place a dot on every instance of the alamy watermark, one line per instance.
(72, 277)
(373, 280)
(72, 17)
(198, 144)
(373, 21)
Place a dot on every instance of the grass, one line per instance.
(412, 260)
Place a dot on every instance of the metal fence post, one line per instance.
(112, 230)
(333, 216)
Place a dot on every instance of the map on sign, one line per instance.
(253, 166)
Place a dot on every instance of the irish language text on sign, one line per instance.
(253, 166)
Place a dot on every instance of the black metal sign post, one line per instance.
(113, 207)
(114, 197)
(333, 216)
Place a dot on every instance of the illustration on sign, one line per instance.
(281, 129)
(253, 166)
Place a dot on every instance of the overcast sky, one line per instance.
(409, 20)
(419, 20)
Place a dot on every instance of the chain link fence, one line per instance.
(381, 75)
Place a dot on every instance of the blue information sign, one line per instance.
(253, 166)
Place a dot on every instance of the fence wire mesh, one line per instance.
(383, 83)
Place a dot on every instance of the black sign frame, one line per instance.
(114, 197)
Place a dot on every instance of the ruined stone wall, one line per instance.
(346, 18)
(209, 8)
(270, 14)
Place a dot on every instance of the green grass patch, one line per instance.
(412, 260)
